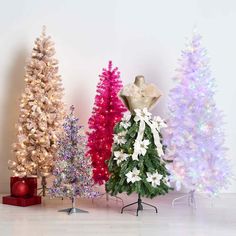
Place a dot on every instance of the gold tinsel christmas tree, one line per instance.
(41, 113)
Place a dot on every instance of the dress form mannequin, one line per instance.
(137, 148)
(140, 95)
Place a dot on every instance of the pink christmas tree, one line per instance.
(108, 110)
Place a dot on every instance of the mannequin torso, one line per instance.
(140, 95)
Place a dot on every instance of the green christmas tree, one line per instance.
(137, 163)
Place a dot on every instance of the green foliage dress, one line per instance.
(136, 164)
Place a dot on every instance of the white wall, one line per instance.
(140, 36)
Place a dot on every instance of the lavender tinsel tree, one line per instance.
(194, 137)
(72, 171)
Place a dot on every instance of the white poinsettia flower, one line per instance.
(125, 124)
(126, 116)
(154, 179)
(141, 114)
(120, 156)
(158, 123)
(125, 121)
(158, 119)
(120, 138)
(141, 146)
(133, 176)
(155, 125)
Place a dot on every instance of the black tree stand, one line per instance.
(73, 209)
(140, 206)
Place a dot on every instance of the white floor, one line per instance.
(104, 218)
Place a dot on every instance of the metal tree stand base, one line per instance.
(44, 188)
(73, 209)
(190, 199)
(140, 206)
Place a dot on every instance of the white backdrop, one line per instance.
(140, 36)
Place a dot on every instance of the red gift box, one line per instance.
(21, 201)
(31, 182)
(30, 199)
